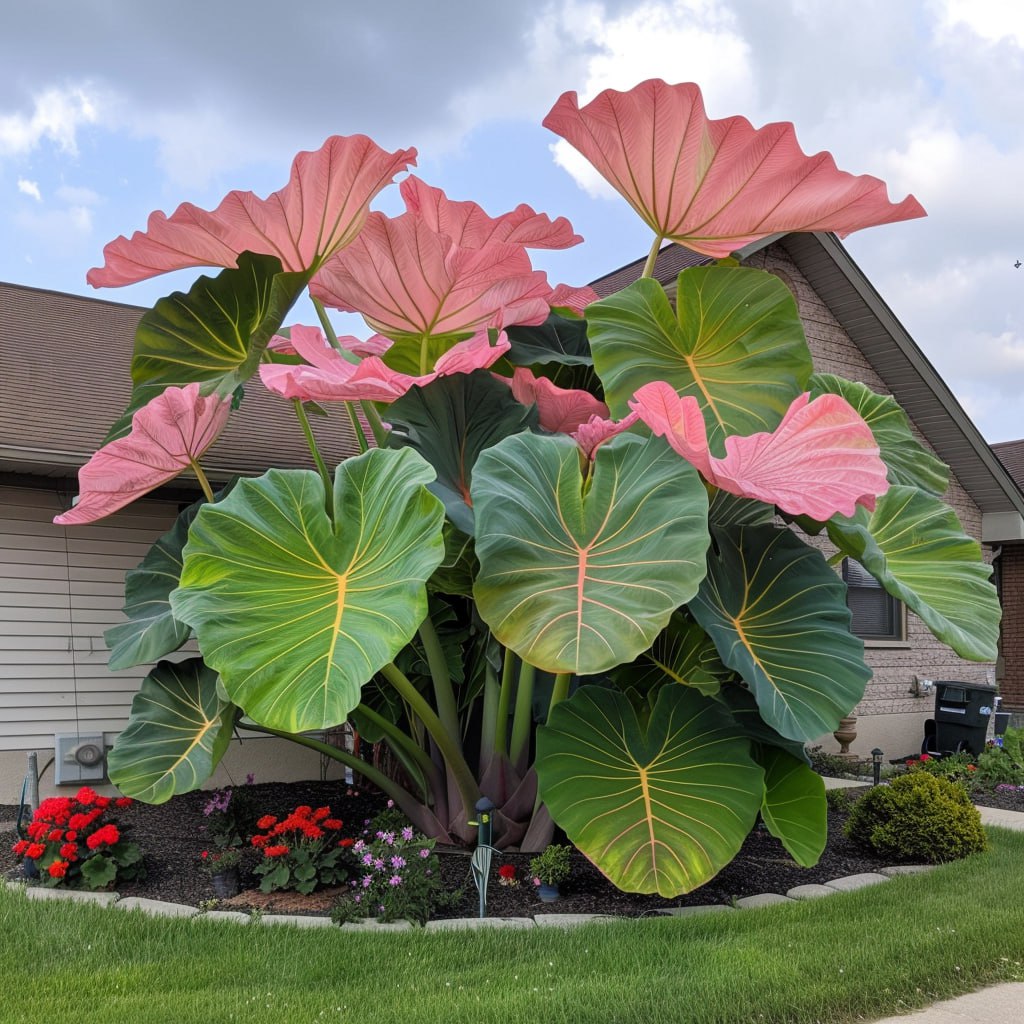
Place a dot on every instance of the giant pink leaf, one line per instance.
(332, 378)
(576, 298)
(168, 434)
(561, 410)
(319, 211)
(468, 226)
(408, 280)
(820, 460)
(596, 431)
(715, 186)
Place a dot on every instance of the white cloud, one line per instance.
(57, 115)
(30, 188)
(991, 20)
(75, 195)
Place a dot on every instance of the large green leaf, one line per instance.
(576, 579)
(661, 808)
(450, 422)
(682, 653)
(297, 612)
(914, 545)
(177, 733)
(152, 631)
(908, 461)
(736, 344)
(558, 340)
(777, 614)
(214, 334)
(794, 808)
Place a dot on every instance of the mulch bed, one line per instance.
(172, 836)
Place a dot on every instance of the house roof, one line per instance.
(65, 381)
(898, 360)
(1011, 455)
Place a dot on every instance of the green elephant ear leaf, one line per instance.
(558, 340)
(177, 733)
(735, 342)
(582, 582)
(152, 631)
(297, 611)
(214, 334)
(682, 653)
(914, 545)
(794, 808)
(661, 808)
(777, 614)
(908, 461)
(450, 422)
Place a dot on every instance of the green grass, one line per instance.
(849, 957)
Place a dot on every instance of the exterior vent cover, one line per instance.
(79, 758)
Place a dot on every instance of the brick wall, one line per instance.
(1011, 653)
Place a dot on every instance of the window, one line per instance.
(877, 615)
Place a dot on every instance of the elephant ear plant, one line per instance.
(553, 571)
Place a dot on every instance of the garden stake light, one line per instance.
(480, 863)
(876, 764)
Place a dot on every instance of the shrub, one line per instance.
(552, 866)
(839, 800)
(301, 851)
(75, 842)
(954, 767)
(917, 817)
(996, 767)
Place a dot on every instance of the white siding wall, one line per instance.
(60, 589)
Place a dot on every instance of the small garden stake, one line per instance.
(480, 864)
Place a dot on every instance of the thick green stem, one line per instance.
(380, 432)
(444, 695)
(508, 668)
(201, 477)
(488, 721)
(560, 690)
(394, 735)
(522, 720)
(331, 334)
(837, 558)
(357, 428)
(447, 744)
(317, 457)
(652, 256)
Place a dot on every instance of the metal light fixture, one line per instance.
(876, 764)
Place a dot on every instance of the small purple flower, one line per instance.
(428, 872)
(367, 859)
(358, 897)
(389, 838)
(367, 881)
(379, 863)
(398, 862)
(424, 853)
(359, 845)
(407, 833)
(250, 778)
(391, 803)
(395, 880)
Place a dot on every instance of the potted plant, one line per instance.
(549, 869)
(222, 867)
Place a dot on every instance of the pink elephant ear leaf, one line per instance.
(319, 211)
(168, 434)
(468, 226)
(592, 434)
(565, 296)
(822, 459)
(678, 420)
(476, 353)
(716, 185)
(561, 410)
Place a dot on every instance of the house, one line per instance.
(1010, 569)
(853, 333)
(66, 380)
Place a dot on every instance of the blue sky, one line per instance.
(110, 109)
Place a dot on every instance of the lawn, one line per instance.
(850, 957)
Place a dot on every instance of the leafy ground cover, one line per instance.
(855, 956)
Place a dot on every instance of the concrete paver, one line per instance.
(479, 923)
(764, 899)
(998, 1004)
(707, 908)
(850, 883)
(37, 892)
(156, 907)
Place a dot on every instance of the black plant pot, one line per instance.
(225, 884)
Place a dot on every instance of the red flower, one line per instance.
(259, 841)
(267, 821)
(58, 869)
(86, 796)
(205, 854)
(106, 836)
(103, 802)
(332, 823)
(20, 847)
(55, 836)
(69, 851)
(36, 830)
(275, 851)
(70, 836)
(972, 767)
(346, 842)
(506, 871)
(123, 801)
(925, 757)
(78, 821)
(35, 850)
(304, 811)
(321, 812)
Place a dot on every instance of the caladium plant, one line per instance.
(555, 575)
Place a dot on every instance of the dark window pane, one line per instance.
(876, 614)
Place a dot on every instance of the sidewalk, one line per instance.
(1000, 1004)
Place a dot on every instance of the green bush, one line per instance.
(995, 767)
(839, 800)
(917, 817)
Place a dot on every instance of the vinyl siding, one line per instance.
(60, 590)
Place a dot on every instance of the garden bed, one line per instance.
(172, 837)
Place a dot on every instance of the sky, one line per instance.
(110, 109)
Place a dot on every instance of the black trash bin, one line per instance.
(962, 714)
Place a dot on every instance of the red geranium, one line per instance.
(267, 821)
(276, 851)
(58, 869)
(506, 871)
(332, 823)
(20, 847)
(69, 851)
(35, 851)
(105, 836)
(123, 801)
(347, 842)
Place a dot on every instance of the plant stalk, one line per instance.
(522, 720)
(317, 457)
(201, 477)
(508, 667)
(652, 256)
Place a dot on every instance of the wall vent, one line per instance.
(79, 758)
